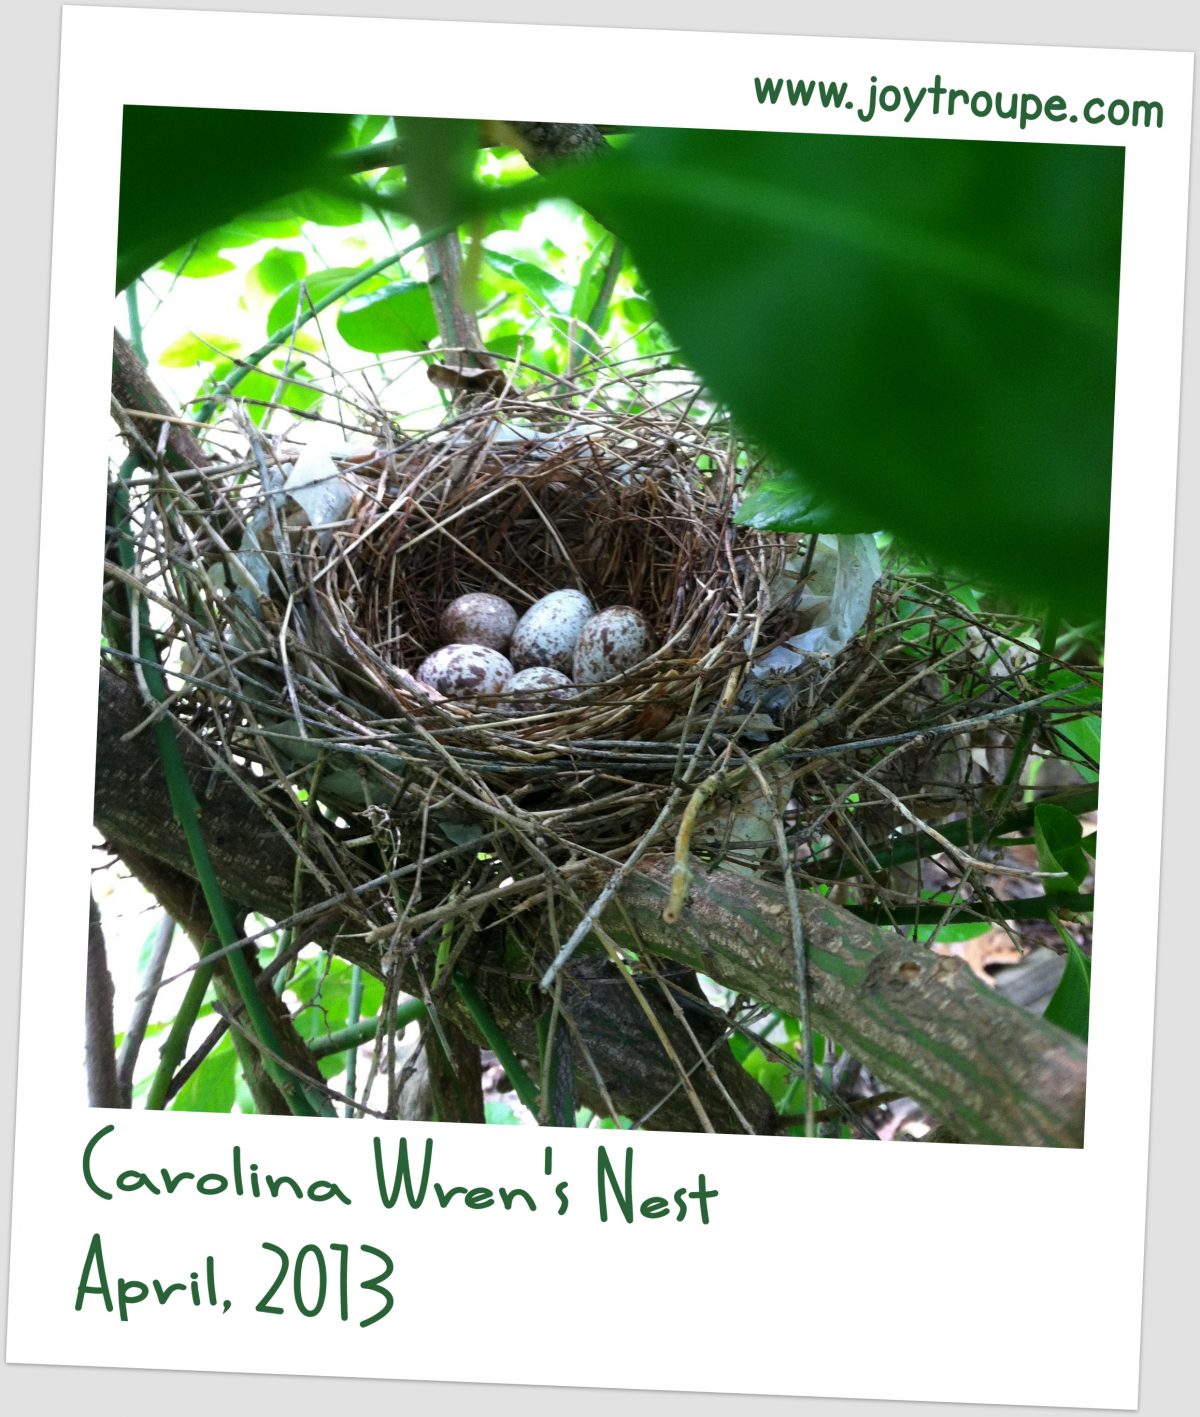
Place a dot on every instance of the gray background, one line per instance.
(29, 99)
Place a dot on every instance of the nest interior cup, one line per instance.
(636, 514)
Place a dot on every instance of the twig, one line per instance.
(103, 1087)
(143, 1008)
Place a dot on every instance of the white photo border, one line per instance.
(968, 1264)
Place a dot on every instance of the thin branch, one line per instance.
(102, 1085)
(143, 1008)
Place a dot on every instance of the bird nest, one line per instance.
(306, 591)
(634, 511)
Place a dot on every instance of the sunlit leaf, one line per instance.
(368, 129)
(191, 349)
(196, 263)
(399, 315)
(277, 270)
(544, 285)
(298, 296)
(260, 389)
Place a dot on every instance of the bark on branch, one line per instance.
(920, 1021)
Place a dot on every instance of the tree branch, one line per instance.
(103, 1088)
(920, 1021)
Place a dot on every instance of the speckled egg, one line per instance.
(459, 671)
(547, 633)
(478, 619)
(539, 684)
(611, 642)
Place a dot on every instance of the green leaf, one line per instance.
(635, 310)
(262, 389)
(196, 262)
(277, 270)
(187, 170)
(500, 1114)
(192, 349)
(951, 934)
(785, 504)
(147, 950)
(367, 129)
(924, 329)
(326, 208)
(591, 278)
(1082, 734)
(212, 1086)
(326, 985)
(399, 315)
(543, 285)
(266, 223)
(1070, 1005)
(298, 295)
(1077, 740)
(1057, 835)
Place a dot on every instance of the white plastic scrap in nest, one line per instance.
(313, 494)
(837, 595)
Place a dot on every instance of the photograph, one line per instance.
(603, 626)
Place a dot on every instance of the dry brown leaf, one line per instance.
(993, 948)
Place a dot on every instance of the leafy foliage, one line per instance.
(923, 331)
(185, 171)
(919, 335)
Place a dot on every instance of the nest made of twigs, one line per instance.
(302, 661)
(632, 510)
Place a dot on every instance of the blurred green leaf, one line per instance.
(399, 315)
(277, 270)
(196, 262)
(326, 208)
(591, 278)
(635, 310)
(925, 330)
(187, 170)
(367, 129)
(1071, 1003)
(439, 166)
(951, 934)
(149, 940)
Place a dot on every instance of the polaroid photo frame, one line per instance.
(237, 1263)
